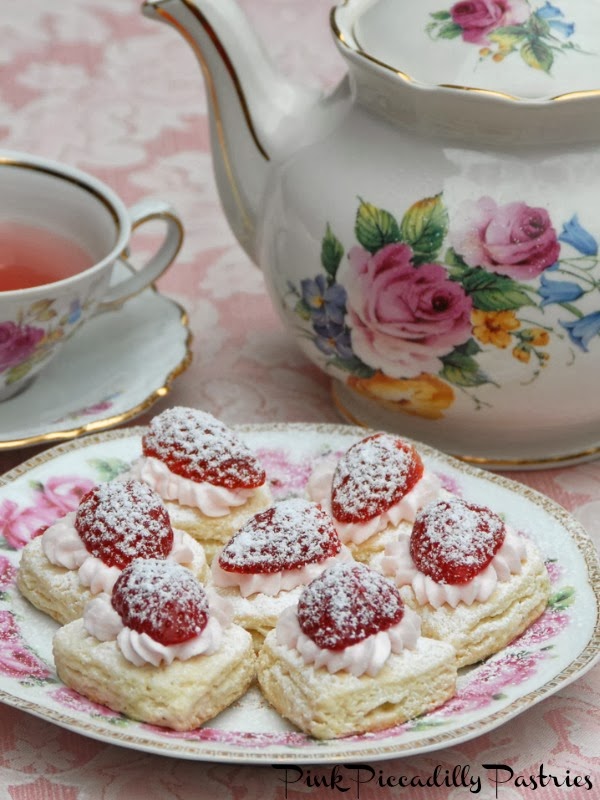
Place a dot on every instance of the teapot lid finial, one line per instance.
(527, 50)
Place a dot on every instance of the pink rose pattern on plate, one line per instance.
(59, 494)
(17, 660)
(502, 27)
(19, 523)
(286, 477)
(52, 500)
(76, 702)
(411, 312)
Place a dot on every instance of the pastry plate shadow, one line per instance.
(558, 648)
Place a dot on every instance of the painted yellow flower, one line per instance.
(494, 327)
(424, 396)
(522, 353)
(536, 337)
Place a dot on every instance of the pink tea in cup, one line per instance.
(32, 256)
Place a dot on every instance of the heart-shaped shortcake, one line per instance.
(452, 541)
(120, 521)
(288, 535)
(195, 445)
(162, 599)
(346, 604)
(373, 475)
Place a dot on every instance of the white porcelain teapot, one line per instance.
(428, 230)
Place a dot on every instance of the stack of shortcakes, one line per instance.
(181, 583)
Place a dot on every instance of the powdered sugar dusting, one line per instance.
(162, 599)
(122, 520)
(373, 475)
(346, 604)
(453, 540)
(288, 535)
(196, 445)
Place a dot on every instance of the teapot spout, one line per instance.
(249, 102)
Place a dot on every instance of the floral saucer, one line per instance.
(554, 651)
(108, 373)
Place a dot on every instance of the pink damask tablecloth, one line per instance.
(94, 84)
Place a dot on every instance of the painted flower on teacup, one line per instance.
(415, 309)
(29, 339)
(402, 319)
(17, 343)
(513, 239)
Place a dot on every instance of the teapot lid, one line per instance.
(528, 50)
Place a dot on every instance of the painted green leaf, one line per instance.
(41, 308)
(424, 227)
(509, 37)
(491, 292)
(301, 308)
(332, 251)
(353, 365)
(461, 369)
(108, 468)
(450, 30)
(425, 724)
(562, 599)
(20, 371)
(441, 15)
(469, 348)
(375, 227)
(538, 26)
(45, 316)
(537, 55)
(457, 267)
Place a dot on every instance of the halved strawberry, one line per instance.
(195, 445)
(373, 475)
(453, 541)
(346, 604)
(119, 521)
(288, 535)
(161, 598)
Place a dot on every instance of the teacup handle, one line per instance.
(145, 211)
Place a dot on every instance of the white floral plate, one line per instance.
(555, 650)
(109, 372)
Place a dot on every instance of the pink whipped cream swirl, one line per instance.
(364, 658)
(271, 583)
(212, 501)
(425, 491)
(102, 621)
(397, 563)
(63, 547)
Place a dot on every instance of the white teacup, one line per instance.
(60, 210)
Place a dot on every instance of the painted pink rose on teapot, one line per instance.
(513, 239)
(403, 319)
